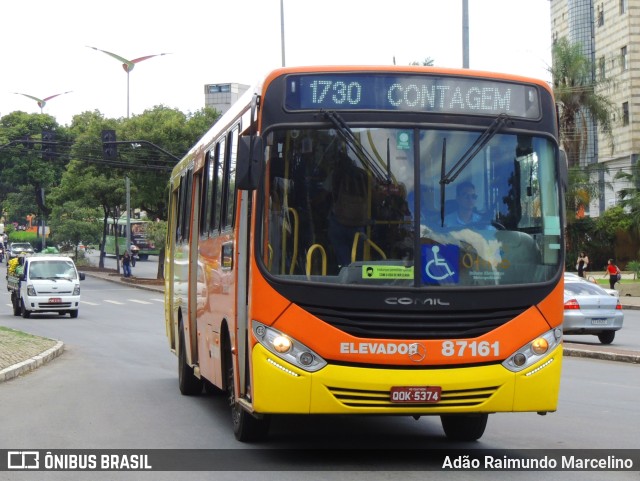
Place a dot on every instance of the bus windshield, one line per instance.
(410, 207)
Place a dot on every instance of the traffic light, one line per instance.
(48, 145)
(109, 149)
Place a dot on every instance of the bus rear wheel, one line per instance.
(246, 427)
(188, 383)
(464, 427)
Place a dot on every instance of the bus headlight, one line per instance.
(533, 351)
(287, 348)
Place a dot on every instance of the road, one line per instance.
(115, 386)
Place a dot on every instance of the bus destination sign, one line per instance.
(411, 93)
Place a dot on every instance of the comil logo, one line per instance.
(23, 460)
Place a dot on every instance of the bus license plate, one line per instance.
(415, 394)
(54, 300)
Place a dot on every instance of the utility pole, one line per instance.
(465, 33)
(282, 29)
(128, 230)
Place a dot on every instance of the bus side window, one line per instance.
(206, 204)
(230, 178)
(218, 173)
(184, 210)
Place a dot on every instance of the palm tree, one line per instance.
(576, 91)
(629, 196)
(580, 106)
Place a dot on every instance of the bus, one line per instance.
(141, 246)
(372, 240)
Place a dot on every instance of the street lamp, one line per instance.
(42, 102)
(128, 65)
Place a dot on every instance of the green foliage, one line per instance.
(634, 266)
(576, 91)
(629, 196)
(23, 166)
(427, 62)
(597, 237)
(19, 204)
(23, 236)
(73, 223)
(157, 233)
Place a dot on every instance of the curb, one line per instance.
(628, 357)
(32, 363)
(116, 280)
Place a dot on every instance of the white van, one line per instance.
(47, 283)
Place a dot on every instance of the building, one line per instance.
(222, 96)
(609, 32)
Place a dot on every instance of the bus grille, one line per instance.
(356, 398)
(415, 325)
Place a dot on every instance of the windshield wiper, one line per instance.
(354, 144)
(470, 153)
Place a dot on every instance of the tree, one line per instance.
(580, 105)
(73, 222)
(172, 131)
(427, 62)
(19, 204)
(157, 233)
(23, 165)
(576, 92)
(89, 187)
(629, 197)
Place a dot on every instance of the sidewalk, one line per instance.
(20, 353)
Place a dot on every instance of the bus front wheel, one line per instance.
(246, 427)
(464, 427)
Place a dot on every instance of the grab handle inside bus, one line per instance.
(249, 163)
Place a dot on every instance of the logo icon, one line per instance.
(417, 352)
(23, 460)
(440, 264)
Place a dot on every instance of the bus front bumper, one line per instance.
(279, 387)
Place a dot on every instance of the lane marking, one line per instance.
(114, 302)
(139, 301)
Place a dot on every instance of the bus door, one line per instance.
(242, 273)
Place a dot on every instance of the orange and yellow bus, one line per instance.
(372, 240)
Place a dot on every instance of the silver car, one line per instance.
(589, 309)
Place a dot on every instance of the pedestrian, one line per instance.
(126, 264)
(613, 272)
(582, 263)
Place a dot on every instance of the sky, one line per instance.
(44, 45)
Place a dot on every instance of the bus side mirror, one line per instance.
(563, 170)
(249, 162)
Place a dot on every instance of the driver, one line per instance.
(466, 202)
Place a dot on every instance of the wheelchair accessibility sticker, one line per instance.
(440, 264)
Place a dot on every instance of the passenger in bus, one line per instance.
(348, 215)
